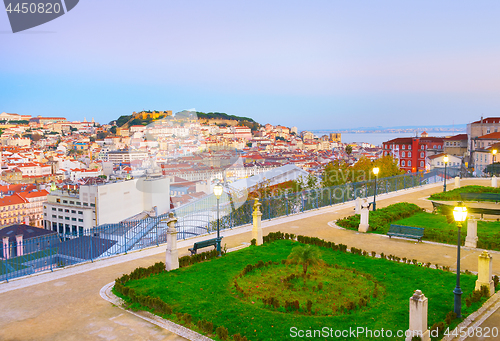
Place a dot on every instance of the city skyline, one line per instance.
(329, 65)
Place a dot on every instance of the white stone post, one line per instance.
(257, 225)
(19, 242)
(418, 317)
(357, 206)
(457, 182)
(363, 222)
(172, 257)
(494, 181)
(471, 239)
(6, 250)
(484, 272)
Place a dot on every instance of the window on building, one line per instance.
(85, 204)
(67, 211)
(65, 201)
(73, 211)
(72, 202)
(73, 219)
(439, 147)
(409, 163)
(60, 209)
(403, 146)
(409, 154)
(80, 212)
(421, 163)
(422, 154)
(53, 208)
(80, 220)
(403, 163)
(54, 226)
(67, 218)
(403, 154)
(58, 200)
(54, 216)
(78, 203)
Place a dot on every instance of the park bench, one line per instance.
(481, 196)
(406, 232)
(202, 244)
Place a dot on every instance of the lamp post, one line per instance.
(218, 192)
(445, 159)
(375, 171)
(494, 152)
(460, 214)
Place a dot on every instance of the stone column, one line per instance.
(494, 181)
(257, 225)
(172, 257)
(484, 272)
(418, 317)
(457, 182)
(6, 250)
(471, 239)
(357, 205)
(363, 222)
(19, 242)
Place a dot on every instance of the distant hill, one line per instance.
(219, 118)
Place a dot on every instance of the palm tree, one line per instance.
(305, 255)
(348, 149)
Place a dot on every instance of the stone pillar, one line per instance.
(19, 242)
(363, 222)
(172, 257)
(457, 182)
(471, 239)
(6, 250)
(257, 225)
(357, 205)
(484, 272)
(494, 181)
(418, 317)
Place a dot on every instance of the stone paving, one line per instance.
(66, 304)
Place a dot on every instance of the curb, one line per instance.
(175, 328)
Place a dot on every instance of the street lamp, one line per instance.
(445, 159)
(494, 152)
(375, 171)
(218, 192)
(460, 214)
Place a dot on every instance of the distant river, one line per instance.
(378, 138)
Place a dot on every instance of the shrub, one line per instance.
(450, 317)
(253, 241)
(439, 326)
(222, 333)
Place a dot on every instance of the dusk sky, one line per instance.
(311, 64)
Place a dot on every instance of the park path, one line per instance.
(66, 305)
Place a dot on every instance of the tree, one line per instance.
(348, 149)
(113, 130)
(335, 173)
(305, 255)
(388, 166)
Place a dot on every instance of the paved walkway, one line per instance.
(66, 305)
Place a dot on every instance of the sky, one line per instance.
(312, 64)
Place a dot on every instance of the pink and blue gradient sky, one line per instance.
(321, 64)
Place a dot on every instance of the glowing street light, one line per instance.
(218, 189)
(445, 159)
(460, 214)
(375, 171)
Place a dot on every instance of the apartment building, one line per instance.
(75, 211)
(410, 152)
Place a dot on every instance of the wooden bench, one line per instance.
(481, 196)
(406, 232)
(202, 244)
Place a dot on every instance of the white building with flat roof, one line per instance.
(72, 212)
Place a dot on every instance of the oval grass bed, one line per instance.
(202, 296)
(325, 290)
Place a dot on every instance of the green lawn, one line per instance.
(455, 193)
(207, 291)
(437, 229)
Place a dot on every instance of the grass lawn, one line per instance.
(207, 291)
(437, 229)
(455, 193)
